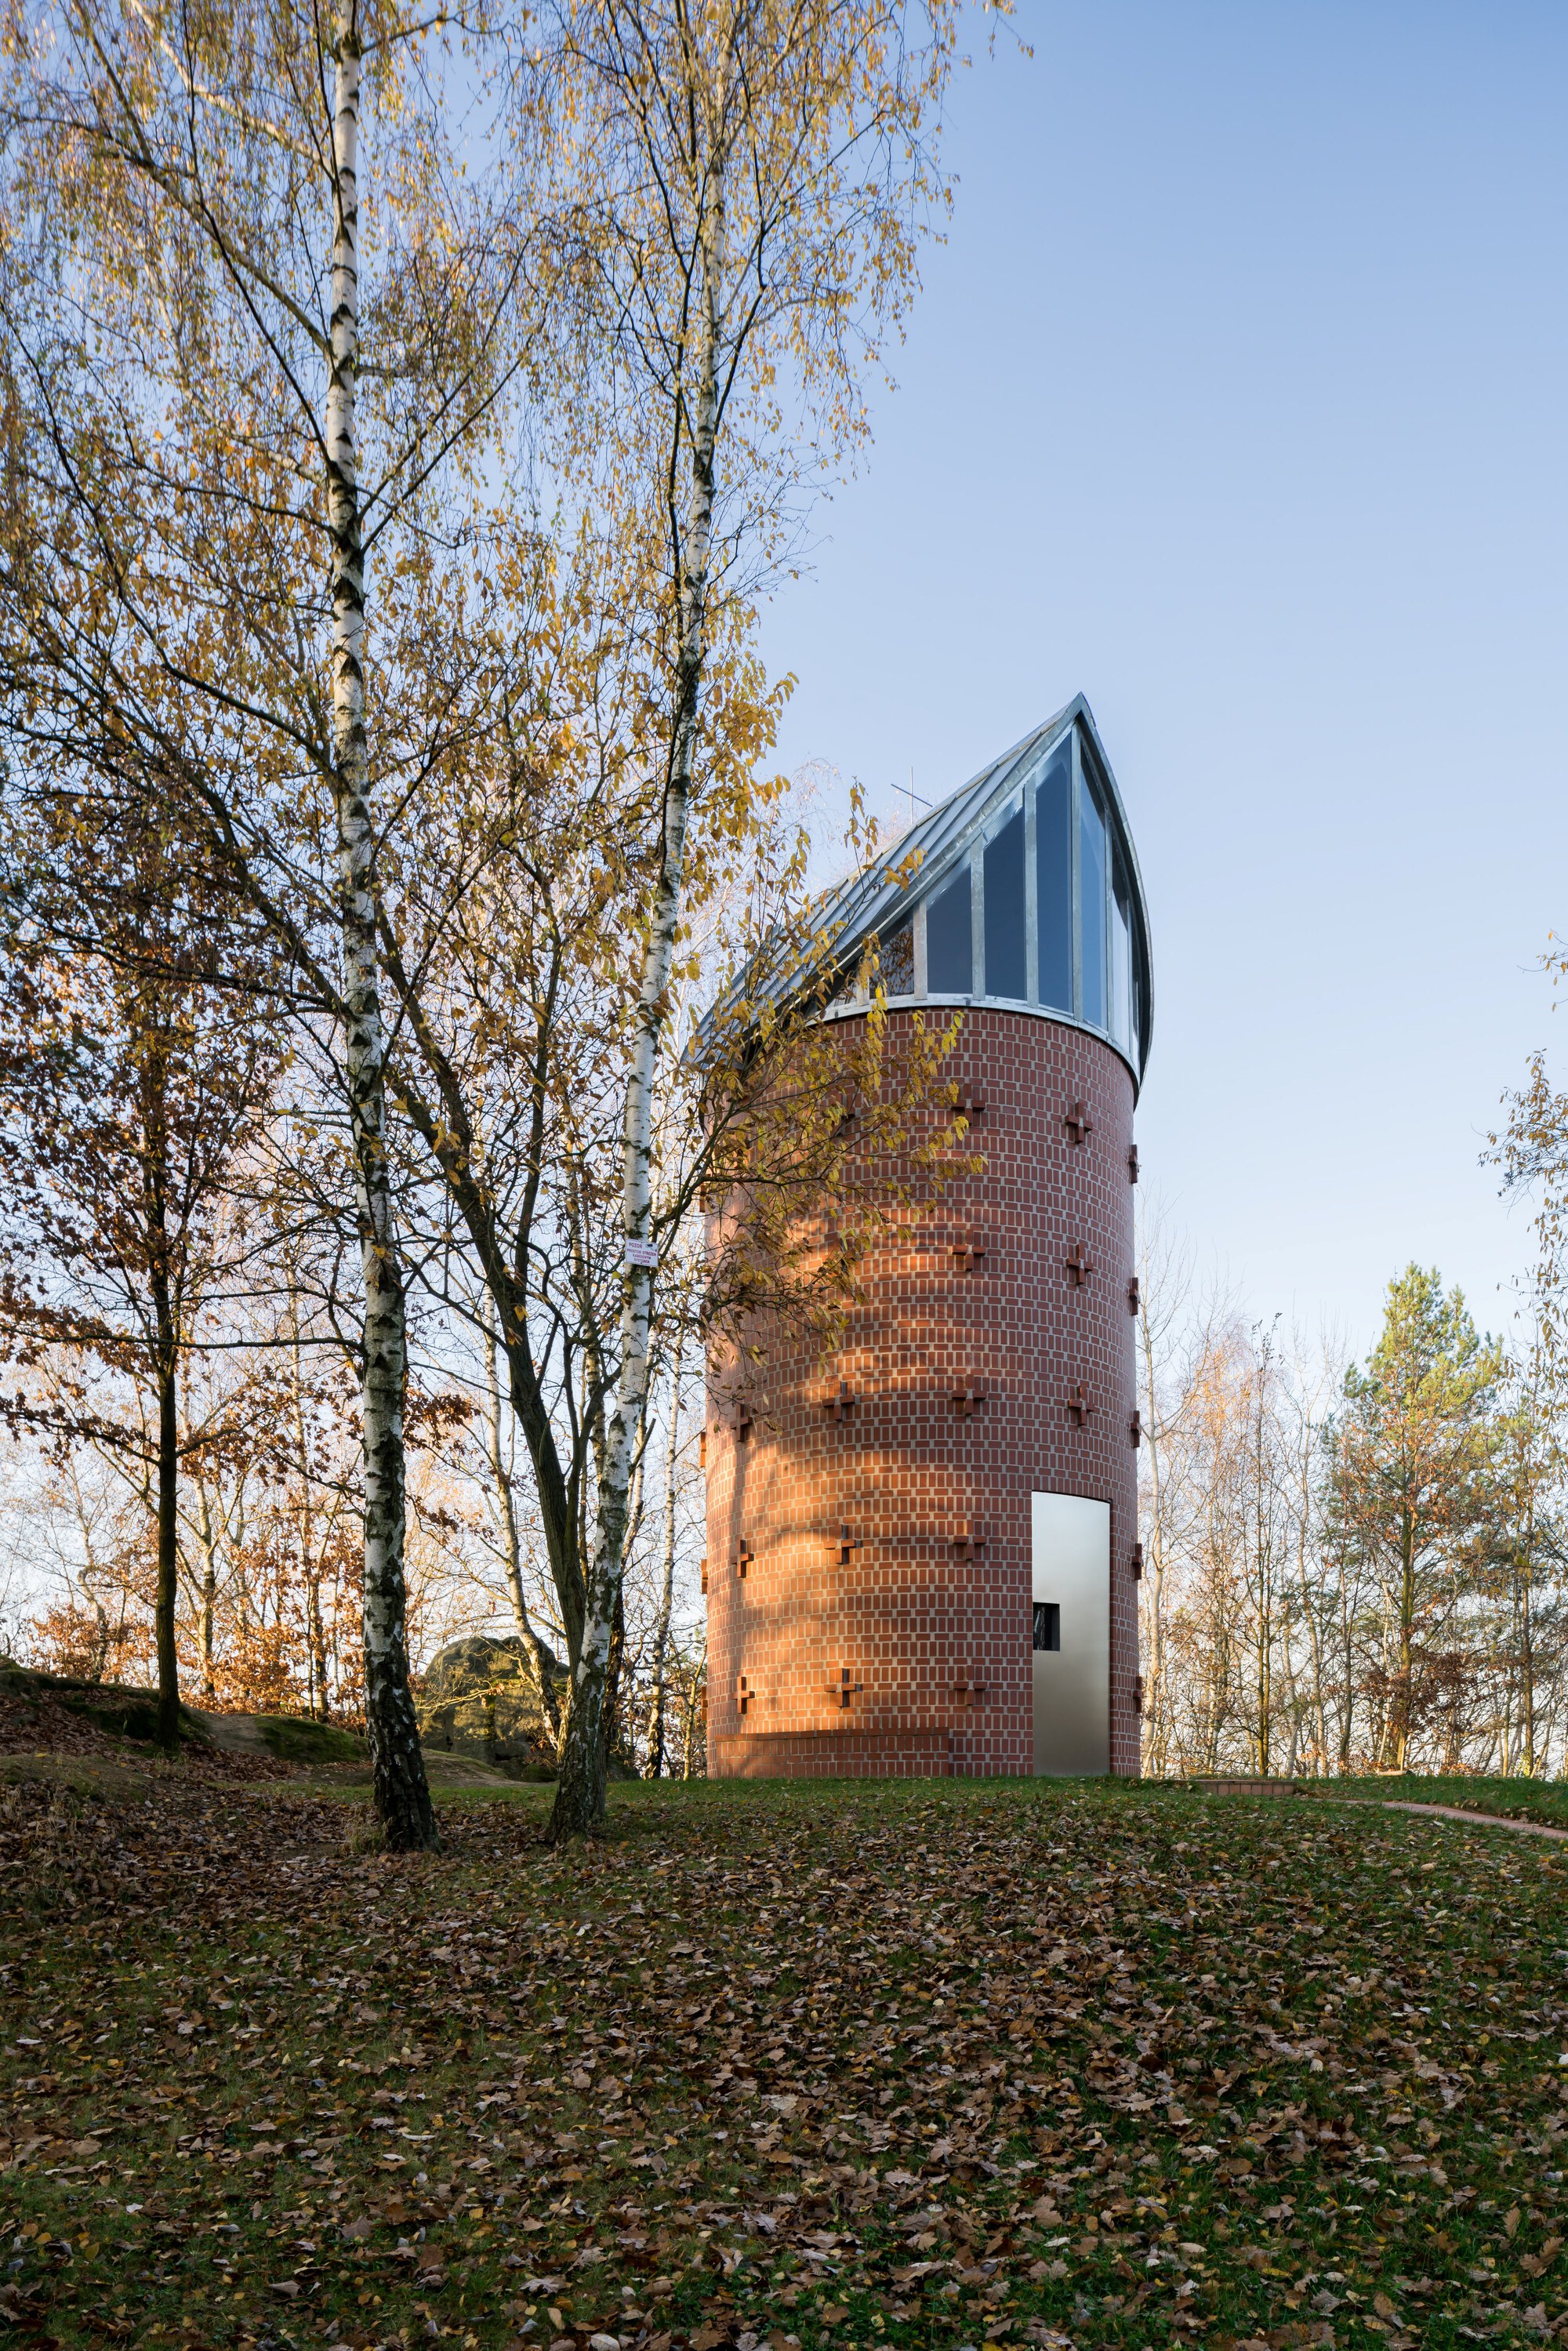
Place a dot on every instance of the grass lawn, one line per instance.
(945, 2064)
(1520, 1800)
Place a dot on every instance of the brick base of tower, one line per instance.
(903, 1649)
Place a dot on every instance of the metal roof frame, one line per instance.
(874, 902)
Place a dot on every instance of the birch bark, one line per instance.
(401, 1792)
(581, 1789)
(667, 1588)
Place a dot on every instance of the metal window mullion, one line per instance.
(977, 919)
(1031, 899)
(1074, 839)
(918, 928)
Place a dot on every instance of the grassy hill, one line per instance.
(940, 2063)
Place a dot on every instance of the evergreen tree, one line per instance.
(1416, 1483)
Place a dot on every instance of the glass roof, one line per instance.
(1026, 892)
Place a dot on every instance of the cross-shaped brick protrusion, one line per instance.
(840, 1689)
(745, 1691)
(969, 1540)
(967, 1401)
(743, 1423)
(971, 1106)
(844, 1543)
(742, 1558)
(967, 1255)
(701, 1450)
(1080, 1265)
(1078, 1122)
(1078, 1405)
(1138, 1694)
(970, 1695)
(1135, 1430)
(1132, 1162)
(1137, 1562)
(1135, 1296)
(839, 1407)
(704, 1575)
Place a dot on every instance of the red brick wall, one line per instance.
(911, 1620)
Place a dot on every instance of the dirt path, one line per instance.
(1485, 1820)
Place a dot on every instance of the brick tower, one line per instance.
(922, 1554)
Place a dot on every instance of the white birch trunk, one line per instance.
(581, 1791)
(667, 1588)
(401, 1796)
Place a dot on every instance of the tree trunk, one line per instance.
(168, 1526)
(581, 1791)
(207, 1536)
(400, 1793)
(310, 1566)
(511, 1544)
(667, 1588)
(1526, 1581)
(698, 1683)
(1403, 1691)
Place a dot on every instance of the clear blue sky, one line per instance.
(1237, 399)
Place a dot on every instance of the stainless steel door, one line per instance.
(1071, 1594)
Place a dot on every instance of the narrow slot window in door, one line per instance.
(1047, 1624)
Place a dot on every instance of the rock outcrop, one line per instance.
(480, 1697)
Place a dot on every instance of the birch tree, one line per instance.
(754, 179)
(218, 417)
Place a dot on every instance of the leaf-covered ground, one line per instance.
(930, 2063)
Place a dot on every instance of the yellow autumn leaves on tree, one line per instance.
(402, 419)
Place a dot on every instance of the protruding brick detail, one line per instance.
(938, 1645)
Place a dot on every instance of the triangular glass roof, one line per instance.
(1054, 790)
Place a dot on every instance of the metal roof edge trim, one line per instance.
(993, 1004)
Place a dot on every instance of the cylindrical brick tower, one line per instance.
(922, 1553)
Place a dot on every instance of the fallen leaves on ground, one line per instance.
(934, 2064)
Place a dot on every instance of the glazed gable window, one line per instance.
(1007, 935)
(949, 939)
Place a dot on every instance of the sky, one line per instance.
(1236, 400)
